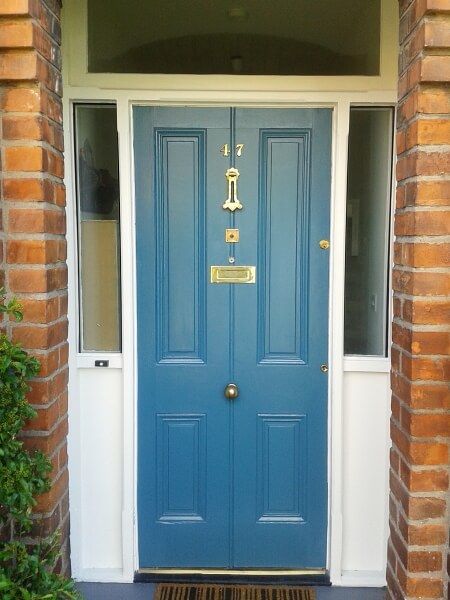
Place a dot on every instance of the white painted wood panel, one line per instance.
(101, 450)
(366, 411)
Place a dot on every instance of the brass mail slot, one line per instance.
(233, 274)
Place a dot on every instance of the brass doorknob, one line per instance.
(231, 391)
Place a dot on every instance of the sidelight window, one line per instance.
(368, 234)
(98, 220)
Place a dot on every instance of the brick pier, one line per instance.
(32, 236)
(419, 510)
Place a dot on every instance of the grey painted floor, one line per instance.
(144, 591)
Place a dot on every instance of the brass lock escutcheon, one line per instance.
(231, 391)
(232, 236)
(324, 244)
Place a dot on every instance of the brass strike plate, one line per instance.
(232, 236)
(233, 274)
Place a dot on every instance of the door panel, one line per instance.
(180, 232)
(283, 241)
(239, 483)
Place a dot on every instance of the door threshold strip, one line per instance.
(233, 572)
(243, 576)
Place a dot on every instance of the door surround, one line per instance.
(337, 235)
(336, 93)
(340, 123)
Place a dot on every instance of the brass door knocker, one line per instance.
(232, 203)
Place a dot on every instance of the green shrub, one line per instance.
(26, 566)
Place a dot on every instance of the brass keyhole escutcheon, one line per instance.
(232, 236)
(231, 391)
(324, 244)
(324, 368)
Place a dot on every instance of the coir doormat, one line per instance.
(168, 591)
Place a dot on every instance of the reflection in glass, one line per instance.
(253, 37)
(98, 212)
(367, 238)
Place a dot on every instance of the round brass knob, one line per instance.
(231, 391)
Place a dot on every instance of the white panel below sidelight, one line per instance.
(366, 410)
(101, 447)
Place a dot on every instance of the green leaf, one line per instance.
(17, 315)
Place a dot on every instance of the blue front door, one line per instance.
(229, 482)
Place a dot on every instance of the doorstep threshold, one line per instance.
(291, 576)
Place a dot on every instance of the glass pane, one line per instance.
(367, 240)
(97, 165)
(249, 37)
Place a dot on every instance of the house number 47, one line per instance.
(226, 149)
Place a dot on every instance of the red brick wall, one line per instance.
(33, 239)
(419, 510)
